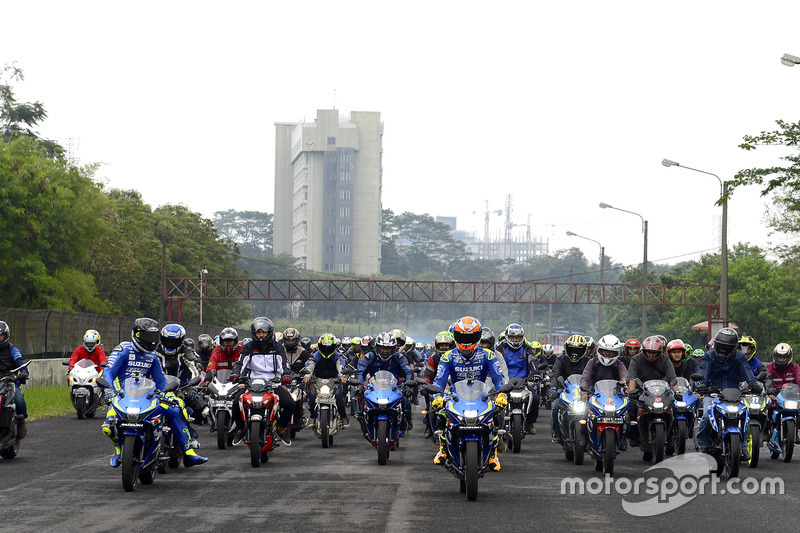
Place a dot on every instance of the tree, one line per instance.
(251, 230)
(19, 118)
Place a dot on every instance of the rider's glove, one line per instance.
(438, 402)
(234, 378)
(501, 402)
(286, 379)
(678, 397)
(756, 387)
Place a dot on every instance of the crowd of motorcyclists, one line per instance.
(466, 350)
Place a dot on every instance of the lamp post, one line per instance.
(789, 60)
(723, 269)
(602, 279)
(644, 265)
(203, 271)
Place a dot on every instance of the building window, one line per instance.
(344, 212)
(344, 230)
(344, 195)
(331, 141)
(344, 249)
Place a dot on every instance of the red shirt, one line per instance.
(220, 360)
(98, 356)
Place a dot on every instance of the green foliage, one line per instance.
(251, 230)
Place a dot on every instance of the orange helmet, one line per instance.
(467, 334)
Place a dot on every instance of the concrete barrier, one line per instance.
(47, 372)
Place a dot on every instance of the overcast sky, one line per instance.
(563, 105)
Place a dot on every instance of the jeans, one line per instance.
(19, 399)
(554, 416)
(705, 424)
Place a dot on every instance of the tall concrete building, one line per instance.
(328, 192)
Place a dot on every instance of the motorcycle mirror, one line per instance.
(697, 376)
(65, 362)
(192, 382)
(432, 389)
(561, 380)
(639, 384)
(762, 375)
(103, 383)
(170, 387)
(508, 387)
(543, 366)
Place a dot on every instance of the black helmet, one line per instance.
(291, 338)
(205, 342)
(487, 336)
(262, 323)
(725, 342)
(305, 342)
(5, 331)
(189, 343)
(145, 334)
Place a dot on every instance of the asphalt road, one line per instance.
(62, 481)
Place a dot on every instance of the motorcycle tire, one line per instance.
(549, 404)
(80, 407)
(577, 448)
(9, 452)
(382, 440)
(222, 429)
(147, 476)
(130, 463)
(788, 443)
(609, 451)
(734, 457)
(324, 427)
(682, 433)
(471, 469)
(753, 445)
(462, 486)
(660, 443)
(255, 441)
(569, 455)
(516, 433)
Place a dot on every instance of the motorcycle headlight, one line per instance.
(755, 403)
(579, 407)
(325, 390)
(257, 401)
(93, 380)
(610, 408)
(516, 395)
(658, 405)
(133, 410)
(72, 379)
(383, 401)
(732, 408)
(680, 404)
(790, 404)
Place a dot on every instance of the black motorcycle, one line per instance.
(654, 417)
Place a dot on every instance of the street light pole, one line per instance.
(602, 279)
(203, 271)
(644, 265)
(789, 60)
(723, 269)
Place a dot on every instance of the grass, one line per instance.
(47, 401)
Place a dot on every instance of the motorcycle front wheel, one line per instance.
(682, 434)
(516, 433)
(660, 442)
(753, 445)
(382, 440)
(471, 469)
(609, 451)
(255, 443)
(789, 429)
(80, 407)
(324, 428)
(131, 463)
(222, 429)
(734, 457)
(577, 443)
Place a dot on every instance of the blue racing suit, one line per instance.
(456, 367)
(522, 363)
(722, 375)
(127, 359)
(398, 365)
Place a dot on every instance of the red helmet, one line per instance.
(467, 335)
(677, 344)
(652, 348)
(632, 347)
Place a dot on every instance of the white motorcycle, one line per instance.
(220, 405)
(86, 395)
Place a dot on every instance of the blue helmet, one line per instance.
(172, 337)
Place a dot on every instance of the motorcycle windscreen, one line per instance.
(790, 391)
(470, 391)
(656, 387)
(136, 388)
(574, 379)
(683, 385)
(85, 363)
(383, 380)
(606, 387)
(223, 375)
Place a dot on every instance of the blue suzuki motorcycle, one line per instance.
(784, 422)
(139, 427)
(470, 431)
(607, 423)
(383, 413)
(572, 419)
(685, 412)
(729, 418)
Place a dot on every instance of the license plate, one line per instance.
(80, 392)
(609, 420)
(220, 403)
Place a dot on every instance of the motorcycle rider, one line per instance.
(296, 355)
(264, 358)
(522, 360)
(11, 358)
(677, 354)
(444, 342)
(632, 349)
(205, 346)
(90, 349)
(136, 356)
(180, 361)
(572, 361)
(723, 367)
(326, 363)
(549, 353)
(697, 358)
(467, 359)
(780, 372)
(605, 364)
(386, 357)
(748, 346)
(223, 357)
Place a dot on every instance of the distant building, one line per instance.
(520, 249)
(321, 169)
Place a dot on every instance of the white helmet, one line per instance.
(609, 348)
(548, 349)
